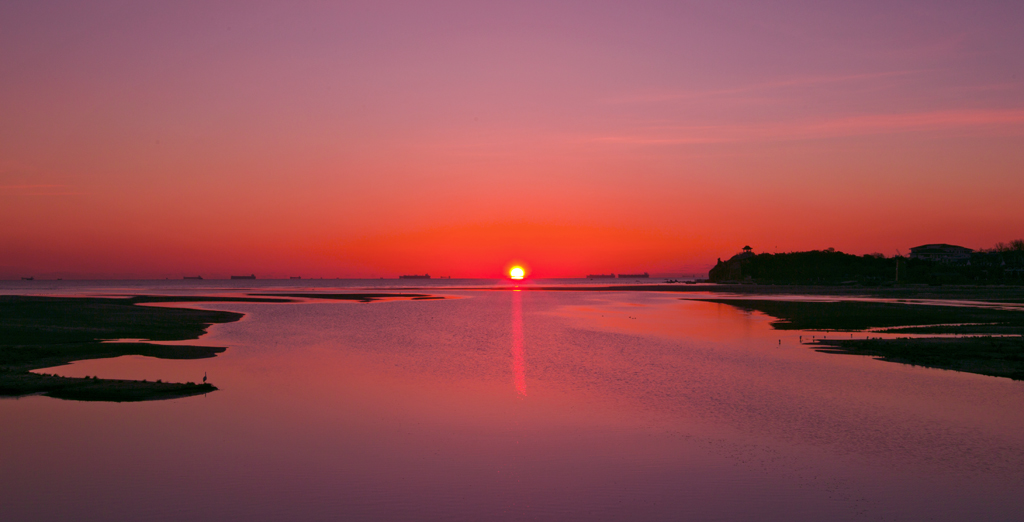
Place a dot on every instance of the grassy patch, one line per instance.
(986, 355)
(860, 315)
(39, 332)
(362, 298)
(995, 356)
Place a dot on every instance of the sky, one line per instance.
(372, 139)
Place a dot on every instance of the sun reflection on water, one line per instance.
(518, 362)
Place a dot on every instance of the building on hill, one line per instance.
(730, 270)
(747, 252)
(941, 253)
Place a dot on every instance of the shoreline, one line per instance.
(991, 340)
(39, 332)
(992, 356)
(995, 293)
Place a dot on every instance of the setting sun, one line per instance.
(517, 272)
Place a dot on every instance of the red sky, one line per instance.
(380, 138)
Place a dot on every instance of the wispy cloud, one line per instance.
(22, 187)
(829, 128)
(39, 190)
(919, 121)
(801, 81)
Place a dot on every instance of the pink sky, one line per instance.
(373, 139)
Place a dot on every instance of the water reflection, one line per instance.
(518, 363)
(643, 407)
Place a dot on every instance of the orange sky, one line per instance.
(379, 139)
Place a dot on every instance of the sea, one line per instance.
(510, 401)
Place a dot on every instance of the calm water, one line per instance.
(509, 405)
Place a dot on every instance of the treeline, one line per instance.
(830, 267)
(814, 267)
(1017, 245)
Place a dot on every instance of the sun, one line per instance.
(516, 272)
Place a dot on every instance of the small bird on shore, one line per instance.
(204, 377)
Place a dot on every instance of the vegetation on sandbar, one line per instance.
(40, 332)
(995, 356)
(1000, 356)
(362, 298)
(862, 315)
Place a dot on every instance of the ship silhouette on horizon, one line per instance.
(644, 275)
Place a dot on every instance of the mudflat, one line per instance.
(891, 316)
(990, 341)
(361, 297)
(985, 355)
(990, 293)
(40, 332)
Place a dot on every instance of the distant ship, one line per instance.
(424, 276)
(295, 277)
(634, 276)
(196, 277)
(28, 278)
(253, 276)
(601, 276)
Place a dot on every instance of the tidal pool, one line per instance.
(509, 405)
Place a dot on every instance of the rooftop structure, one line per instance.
(941, 252)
